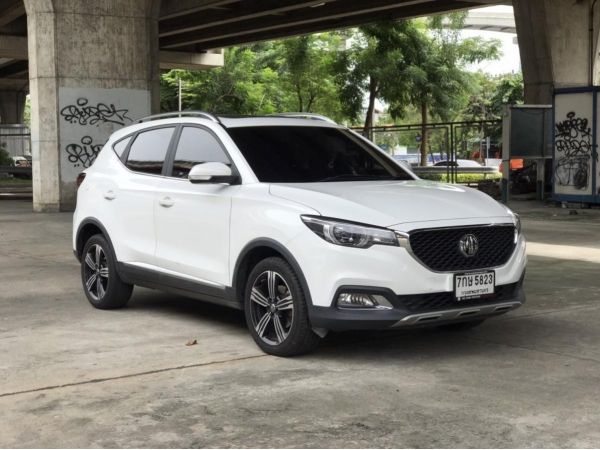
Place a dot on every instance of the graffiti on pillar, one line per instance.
(84, 153)
(85, 113)
(573, 143)
(87, 118)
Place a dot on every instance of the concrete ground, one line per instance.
(73, 376)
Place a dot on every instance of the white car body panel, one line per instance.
(279, 219)
(192, 235)
(133, 195)
(386, 203)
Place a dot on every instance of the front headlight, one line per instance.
(517, 223)
(350, 234)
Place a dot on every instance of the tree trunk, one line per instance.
(423, 133)
(311, 99)
(299, 95)
(371, 107)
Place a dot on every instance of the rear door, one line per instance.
(192, 220)
(133, 199)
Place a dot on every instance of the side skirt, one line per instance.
(176, 285)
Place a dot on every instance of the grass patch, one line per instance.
(21, 182)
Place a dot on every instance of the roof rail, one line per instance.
(168, 115)
(304, 115)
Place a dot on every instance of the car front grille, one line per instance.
(439, 248)
(446, 300)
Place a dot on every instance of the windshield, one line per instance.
(300, 154)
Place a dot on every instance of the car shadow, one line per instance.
(360, 345)
(174, 305)
(416, 343)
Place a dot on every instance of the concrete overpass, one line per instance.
(93, 66)
(500, 22)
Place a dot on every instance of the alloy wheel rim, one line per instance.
(96, 272)
(271, 307)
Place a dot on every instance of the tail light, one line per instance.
(80, 179)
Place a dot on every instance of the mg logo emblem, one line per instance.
(468, 245)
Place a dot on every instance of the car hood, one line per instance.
(389, 203)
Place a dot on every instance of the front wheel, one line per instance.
(276, 311)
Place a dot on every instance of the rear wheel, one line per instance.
(101, 282)
(462, 326)
(276, 311)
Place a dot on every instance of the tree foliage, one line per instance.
(295, 74)
(371, 65)
(411, 63)
(416, 68)
(308, 72)
(5, 158)
(437, 76)
(241, 86)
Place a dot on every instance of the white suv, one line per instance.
(300, 222)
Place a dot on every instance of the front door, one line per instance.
(192, 220)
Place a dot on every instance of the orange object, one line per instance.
(514, 164)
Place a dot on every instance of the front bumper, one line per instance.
(327, 267)
(413, 310)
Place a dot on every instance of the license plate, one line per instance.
(468, 286)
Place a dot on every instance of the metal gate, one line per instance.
(447, 140)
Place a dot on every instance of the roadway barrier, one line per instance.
(425, 170)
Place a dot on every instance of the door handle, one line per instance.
(110, 195)
(166, 202)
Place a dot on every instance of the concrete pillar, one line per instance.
(554, 42)
(12, 105)
(93, 67)
(536, 63)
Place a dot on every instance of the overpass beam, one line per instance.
(191, 61)
(554, 42)
(93, 67)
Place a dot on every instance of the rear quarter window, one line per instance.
(120, 146)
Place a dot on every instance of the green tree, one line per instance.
(490, 95)
(295, 74)
(510, 90)
(416, 67)
(437, 76)
(370, 67)
(241, 86)
(411, 63)
(307, 71)
(5, 159)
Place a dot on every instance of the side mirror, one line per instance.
(211, 172)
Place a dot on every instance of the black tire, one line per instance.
(281, 335)
(105, 290)
(461, 326)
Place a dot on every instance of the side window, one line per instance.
(196, 146)
(148, 151)
(120, 146)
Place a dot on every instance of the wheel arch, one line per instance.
(257, 250)
(87, 228)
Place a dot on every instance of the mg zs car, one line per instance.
(302, 223)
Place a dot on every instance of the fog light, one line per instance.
(354, 300)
